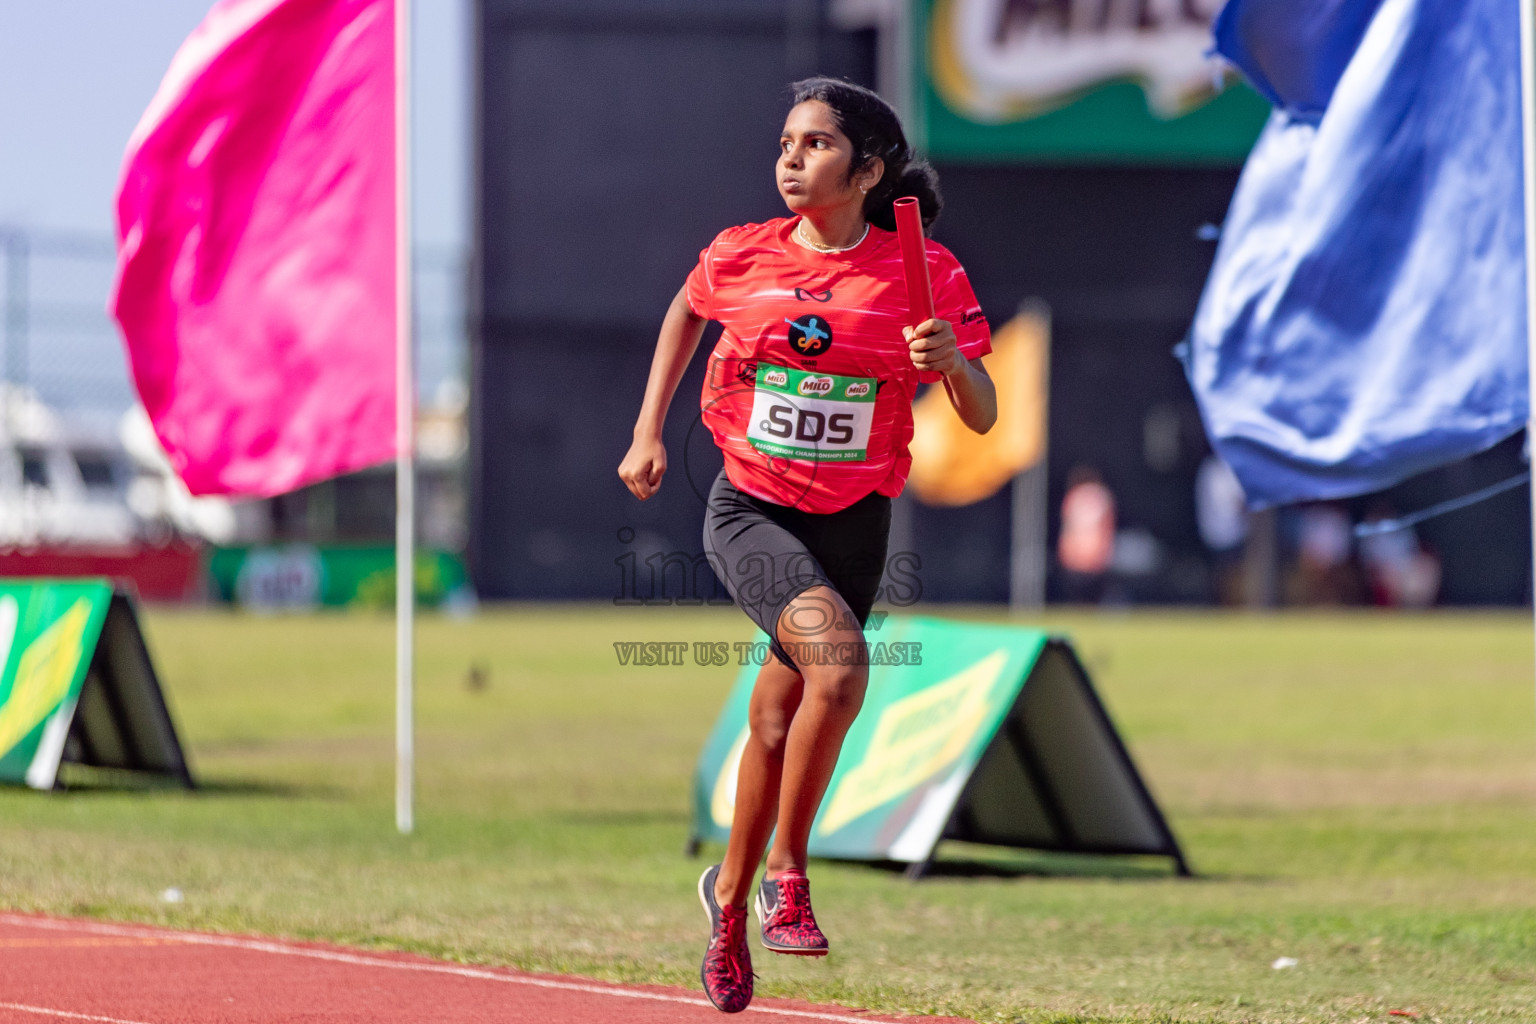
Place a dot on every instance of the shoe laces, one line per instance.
(727, 945)
(795, 898)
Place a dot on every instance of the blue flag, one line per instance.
(1365, 316)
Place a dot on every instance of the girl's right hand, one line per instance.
(643, 466)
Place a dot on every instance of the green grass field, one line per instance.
(1356, 792)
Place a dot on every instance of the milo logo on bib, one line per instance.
(819, 417)
(816, 386)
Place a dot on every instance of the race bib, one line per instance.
(820, 417)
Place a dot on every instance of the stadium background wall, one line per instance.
(616, 137)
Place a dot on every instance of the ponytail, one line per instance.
(875, 131)
(916, 179)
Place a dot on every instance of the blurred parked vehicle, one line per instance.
(77, 499)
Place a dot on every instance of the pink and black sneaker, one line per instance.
(784, 911)
(727, 969)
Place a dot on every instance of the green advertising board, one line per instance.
(977, 732)
(76, 685)
(48, 633)
(1073, 81)
(301, 576)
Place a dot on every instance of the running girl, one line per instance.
(809, 397)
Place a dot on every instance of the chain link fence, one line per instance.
(59, 340)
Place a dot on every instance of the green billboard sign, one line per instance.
(979, 732)
(76, 685)
(1073, 81)
(303, 576)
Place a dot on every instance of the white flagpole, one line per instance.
(405, 435)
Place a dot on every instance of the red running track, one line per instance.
(54, 971)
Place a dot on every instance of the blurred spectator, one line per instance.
(1221, 513)
(1087, 541)
(1401, 573)
(1324, 573)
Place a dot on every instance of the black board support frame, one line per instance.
(146, 740)
(1173, 849)
(961, 825)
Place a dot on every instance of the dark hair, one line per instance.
(875, 131)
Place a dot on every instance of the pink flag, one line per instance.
(256, 246)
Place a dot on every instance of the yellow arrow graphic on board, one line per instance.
(46, 669)
(722, 804)
(915, 738)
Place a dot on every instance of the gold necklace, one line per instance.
(801, 237)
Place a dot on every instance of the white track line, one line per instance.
(354, 959)
(65, 1014)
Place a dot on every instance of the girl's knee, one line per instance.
(840, 688)
(770, 726)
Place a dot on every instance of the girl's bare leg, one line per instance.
(775, 696)
(831, 694)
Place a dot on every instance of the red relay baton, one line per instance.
(914, 259)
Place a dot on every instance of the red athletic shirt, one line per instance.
(809, 390)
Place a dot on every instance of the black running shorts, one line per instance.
(768, 554)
